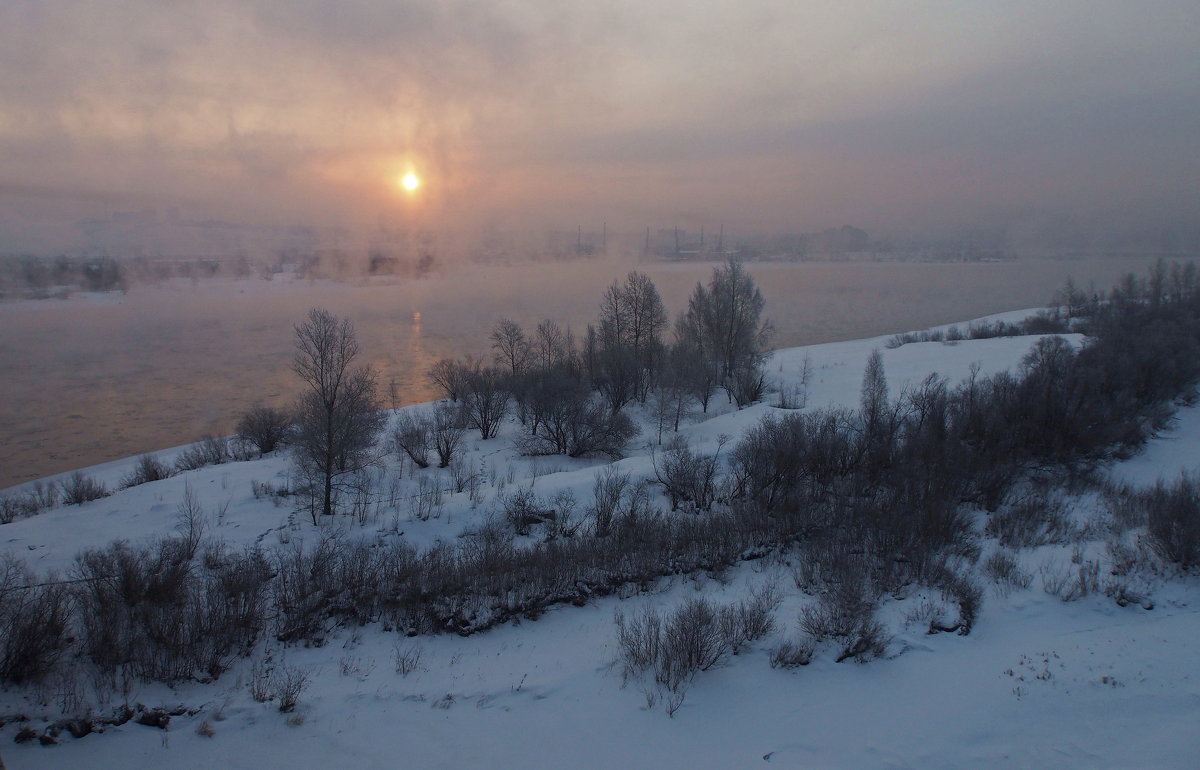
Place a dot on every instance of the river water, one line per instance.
(98, 377)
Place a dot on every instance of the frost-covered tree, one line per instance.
(724, 327)
(338, 417)
(632, 320)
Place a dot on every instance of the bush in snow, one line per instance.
(413, 436)
(148, 469)
(1173, 520)
(696, 636)
(524, 509)
(690, 479)
(1003, 570)
(157, 611)
(264, 428)
(34, 623)
(42, 497)
(211, 450)
(78, 488)
(845, 615)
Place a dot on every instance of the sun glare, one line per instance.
(410, 181)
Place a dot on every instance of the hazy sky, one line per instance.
(896, 116)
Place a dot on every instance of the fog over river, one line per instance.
(99, 377)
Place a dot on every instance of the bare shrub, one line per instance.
(153, 609)
(747, 385)
(609, 489)
(407, 658)
(1085, 582)
(690, 479)
(275, 493)
(34, 624)
(78, 489)
(789, 654)
(451, 376)
(692, 641)
(693, 638)
(148, 469)
(448, 432)
(562, 523)
(1004, 571)
(485, 401)
(41, 497)
(1038, 519)
(11, 508)
(568, 419)
(640, 640)
(290, 682)
(44, 495)
(524, 509)
(676, 647)
(1055, 578)
(413, 436)
(845, 614)
(793, 396)
(1173, 520)
(334, 581)
(969, 597)
(747, 621)
(211, 450)
(261, 686)
(462, 475)
(264, 428)
(427, 502)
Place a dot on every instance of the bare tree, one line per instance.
(485, 401)
(632, 319)
(552, 347)
(450, 376)
(412, 436)
(723, 323)
(338, 417)
(674, 390)
(513, 350)
(574, 422)
(692, 360)
(447, 431)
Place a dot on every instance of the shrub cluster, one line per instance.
(211, 450)
(693, 638)
(1046, 322)
(41, 497)
(78, 489)
(1173, 519)
(148, 469)
(163, 613)
(264, 428)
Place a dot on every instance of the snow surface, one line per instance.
(1039, 682)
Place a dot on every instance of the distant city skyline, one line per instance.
(909, 120)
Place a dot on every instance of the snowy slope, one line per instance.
(1038, 682)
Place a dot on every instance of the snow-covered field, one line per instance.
(1038, 682)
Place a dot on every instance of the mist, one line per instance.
(100, 376)
(1044, 122)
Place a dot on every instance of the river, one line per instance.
(94, 378)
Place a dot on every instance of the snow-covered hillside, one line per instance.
(1039, 681)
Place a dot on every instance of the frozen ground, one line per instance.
(1039, 682)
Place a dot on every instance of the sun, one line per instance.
(410, 181)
